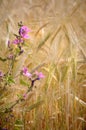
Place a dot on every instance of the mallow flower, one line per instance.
(1, 74)
(10, 57)
(39, 74)
(26, 73)
(25, 96)
(17, 41)
(23, 32)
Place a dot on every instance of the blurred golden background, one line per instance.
(58, 41)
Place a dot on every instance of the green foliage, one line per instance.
(9, 79)
(24, 83)
(18, 124)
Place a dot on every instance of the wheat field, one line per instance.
(57, 47)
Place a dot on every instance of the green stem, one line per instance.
(20, 99)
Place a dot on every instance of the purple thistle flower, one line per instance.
(23, 32)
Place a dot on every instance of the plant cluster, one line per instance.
(15, 49)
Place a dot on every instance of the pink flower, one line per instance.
(26, 73)
(25, 96)
(1, 74)
(39, 74)
(23, 31)
(25, 70)
(10, 56)
(17, 41)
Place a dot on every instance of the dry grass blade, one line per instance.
(35, 6)
(82, 51)
(41, 28)
(79, 100)
(35, 105)
(57, 31)
(64, 72)
(47, 70)
(36, 68)
(75, 40)
(66, 33)
(75, 9)
(43, 41)
(82, 119)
